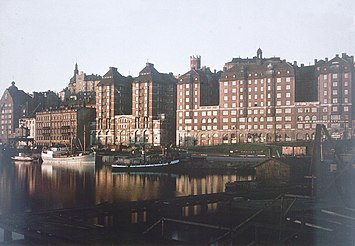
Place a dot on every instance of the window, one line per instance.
(288, 87)
(325, 76)
(278, 88)
(278, 80)
(334, 76)
(335, 92)
(335, 84)
(325, 93)
(288, 95)
(346, 109)
(288, 79)
(335, 109)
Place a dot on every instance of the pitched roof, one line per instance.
(150, 73)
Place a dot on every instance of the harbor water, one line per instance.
(30, 187)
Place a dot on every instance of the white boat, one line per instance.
(23, 158)
(60, 155)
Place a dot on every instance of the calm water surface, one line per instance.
(34, 187)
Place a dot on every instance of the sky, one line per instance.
(41, 40)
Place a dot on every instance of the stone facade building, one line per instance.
(65, 127)
(113, 97)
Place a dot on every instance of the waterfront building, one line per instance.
(11, 109)
(153, 107)
(268, 100)
(124, 126)
(65, 127)
(113, 97)
(197, 94)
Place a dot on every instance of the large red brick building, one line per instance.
(266, 100)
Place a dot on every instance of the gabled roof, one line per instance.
(113, 76)
(150, 73)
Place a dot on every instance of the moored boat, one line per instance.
(132, 165)
(23, 158)
(60, 155)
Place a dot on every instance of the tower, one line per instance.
(195, 62)
(259, 54)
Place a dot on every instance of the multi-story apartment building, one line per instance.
(153, 107)
(12, 103)
(268, 99)
(113, 97)
(65, 127)
(81, 83)
(197, 94)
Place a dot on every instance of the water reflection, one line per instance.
(33, 187)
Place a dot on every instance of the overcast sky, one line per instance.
(40, 40)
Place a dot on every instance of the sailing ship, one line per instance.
(64, 155)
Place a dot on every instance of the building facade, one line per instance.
(197, 96)
(65, 127)
(153, 107)
(113, 97)
(12, 104)
(268, 100)
(81, 83)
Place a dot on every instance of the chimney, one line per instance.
(326, 59)
(295, 63)
(336, 55)
(343, 55)
(315, 61)
(302, 65)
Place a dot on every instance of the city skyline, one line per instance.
(41, 41)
